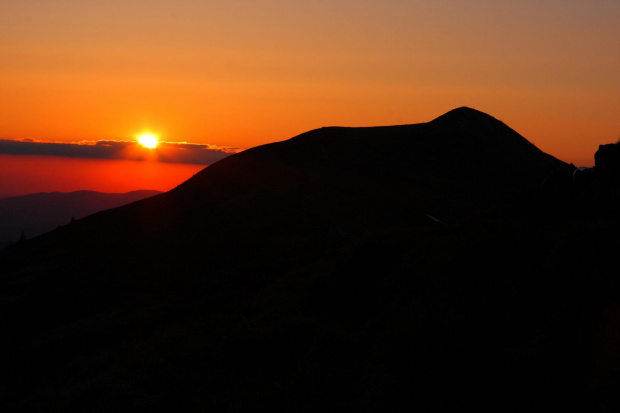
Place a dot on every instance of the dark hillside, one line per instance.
(35, 214)
(313, 274)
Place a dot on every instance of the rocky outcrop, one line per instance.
(608, 157)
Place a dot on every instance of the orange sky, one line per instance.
(244, 73)
(54, 173)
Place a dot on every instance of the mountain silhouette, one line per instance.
(429, 266)
(37, 213)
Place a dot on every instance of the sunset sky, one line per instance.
(220, 76)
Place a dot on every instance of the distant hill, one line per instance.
(443, 266)
(37, 213)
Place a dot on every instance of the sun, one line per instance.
(148, 140)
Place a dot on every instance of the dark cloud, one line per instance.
(193, 153)
(128, 150)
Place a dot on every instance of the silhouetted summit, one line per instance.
(490, 132)
(414, 267)
(466, 115)
(462, 157)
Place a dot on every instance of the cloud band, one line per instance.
(171, 152)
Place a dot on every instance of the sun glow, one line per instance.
(148, 140)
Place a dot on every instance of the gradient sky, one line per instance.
(243, 73)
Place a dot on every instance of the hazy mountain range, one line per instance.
(35, 214)
(444, 266)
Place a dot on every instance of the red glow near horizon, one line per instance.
(24, 174)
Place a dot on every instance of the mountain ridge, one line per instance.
(307, 275)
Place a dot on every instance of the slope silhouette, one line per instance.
(319, 191)
(37, 213)
(307, 275)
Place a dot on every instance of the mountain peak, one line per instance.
(478, 126)
(465, 114)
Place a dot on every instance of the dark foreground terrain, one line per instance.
(446, 266)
